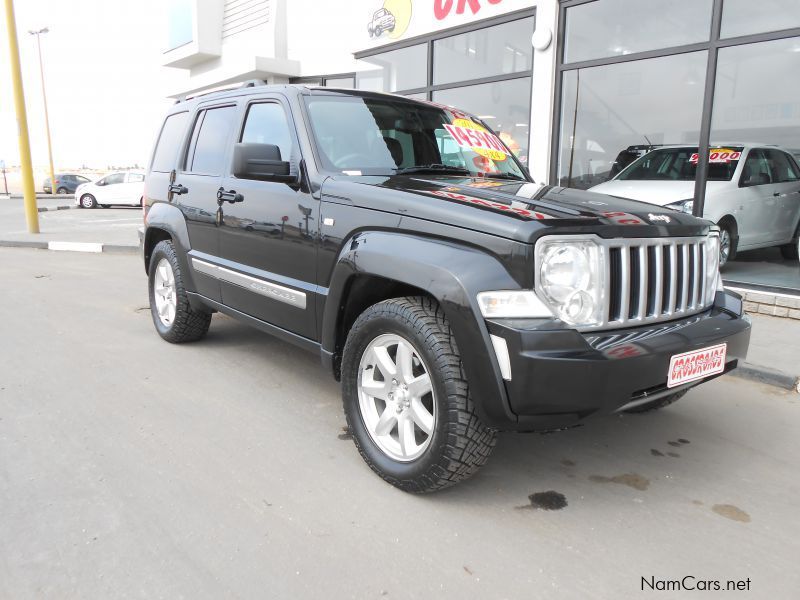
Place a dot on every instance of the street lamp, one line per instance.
(38, 35)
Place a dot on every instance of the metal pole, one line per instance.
(31, 213)
(38, 35)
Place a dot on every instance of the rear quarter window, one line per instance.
(169, 141)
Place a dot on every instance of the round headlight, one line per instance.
(565, 270)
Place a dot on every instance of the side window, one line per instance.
(210, 141)
(756, 170)
(168, 142)
(782, 166)
(135, 177)
(266, 123)
(115, 178)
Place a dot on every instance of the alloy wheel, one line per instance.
(396, 397)
(164, 292)
(724, 246)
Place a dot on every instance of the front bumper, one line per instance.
(560, 377)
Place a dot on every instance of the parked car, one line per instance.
(753, 192)
(121, 188)
(66, 183)
(382, 20)
(450, 294)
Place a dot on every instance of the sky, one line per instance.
(106, 88)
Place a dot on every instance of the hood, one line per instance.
(518, 210)
(659, 193)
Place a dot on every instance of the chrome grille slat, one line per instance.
(658, 280)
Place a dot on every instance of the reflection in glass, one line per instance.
(743, 17)
(618, 27)
(486, 52)
(613, 114)
(755, 99)
(504, 105)
(403, 69)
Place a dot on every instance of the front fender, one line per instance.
(453, 274)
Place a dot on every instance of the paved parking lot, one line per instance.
(133, 468)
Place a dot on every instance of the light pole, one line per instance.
(31, 214)
(38, 35)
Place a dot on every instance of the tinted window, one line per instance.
(743, 17)
(267, 124)
(210, 141)
(115, 178)
(484, 52)
(168, 143)
(756, 169)
(781, 167)
(617, 27)
(135, 178)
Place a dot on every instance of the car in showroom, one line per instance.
(753, 192)
(66, 183)
(123, 188)
(450, 294)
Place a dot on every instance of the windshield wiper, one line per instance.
(503, 176)
(435, 167)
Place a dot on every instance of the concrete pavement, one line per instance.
(131, 467)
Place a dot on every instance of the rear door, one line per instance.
(200, 175)
(134, 188)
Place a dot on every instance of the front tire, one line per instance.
(727, 242)
(88, 201)
(657, 404)
(174, 318)
(406, 397)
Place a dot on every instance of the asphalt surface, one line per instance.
(116, 225)
(134, 468)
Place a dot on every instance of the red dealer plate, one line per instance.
(691, 366)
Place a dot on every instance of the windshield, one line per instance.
(680, 164)
(384, 136)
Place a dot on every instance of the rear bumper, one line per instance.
(560, 377)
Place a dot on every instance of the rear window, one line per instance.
(168, 142)
(680, 164)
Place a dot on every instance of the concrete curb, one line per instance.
(91, 247)
(42, 209)
(767, 375)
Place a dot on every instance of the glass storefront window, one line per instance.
(505, 106)
(618, 27)
(397, 70)
(613, 114)
(502, 49)
(743, 17)
(180, 20)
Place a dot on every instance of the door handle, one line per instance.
(229, 196)
(177, 188)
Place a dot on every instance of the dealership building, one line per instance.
(577, 89)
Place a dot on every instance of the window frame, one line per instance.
(295, 155)
(190, 143)
(712, 46)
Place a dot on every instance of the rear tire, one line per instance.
(174, 318)
(657, 404)
(789, 251)
(105, 206)
(62, 190)
(456, 443)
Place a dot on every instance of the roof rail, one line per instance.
(247, 84)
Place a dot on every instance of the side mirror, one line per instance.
(261, 162)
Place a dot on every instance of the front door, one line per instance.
(195, 189)
(112, 188)
(268, 239)
(759, 200)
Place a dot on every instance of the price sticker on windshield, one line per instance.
(468, 134)
(718, 155)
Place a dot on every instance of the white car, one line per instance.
(753, 192)
(123, 187)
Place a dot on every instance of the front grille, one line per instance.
(653, 280)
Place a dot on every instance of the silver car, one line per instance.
(753, 192)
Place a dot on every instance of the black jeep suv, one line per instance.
(404, 243)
